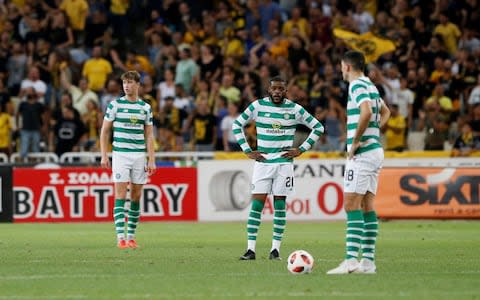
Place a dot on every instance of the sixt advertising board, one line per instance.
(87, 195)
(224, 191)
(429, 193)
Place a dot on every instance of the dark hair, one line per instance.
(132, 75)
(356, 59)
(277, 79)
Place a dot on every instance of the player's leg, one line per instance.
(138, 179)
(279, 224)
(369, 238)
(121, 177)
(354, 191)
(253, 224)
(261, 187)
(282, 186)
(133, 213)
(119, 212)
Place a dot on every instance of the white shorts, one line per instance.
(129, 168)
(275, 179)
(361, 172)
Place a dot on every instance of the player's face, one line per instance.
(345, 70)
(277, 91)
(130, 87)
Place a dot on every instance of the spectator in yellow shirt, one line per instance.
(96, 70)
(119, 19)
(234, 44)
(449, 32)
(395, 130)
(5, 130)
(77, 12)
(297, 21)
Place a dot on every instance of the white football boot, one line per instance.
(346, 267)
(366, 266)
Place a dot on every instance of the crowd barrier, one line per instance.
(219, 190)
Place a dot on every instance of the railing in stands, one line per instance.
(95, 157)
(34, 157)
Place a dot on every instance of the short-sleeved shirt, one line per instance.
(129, 120)
(360, 90)
(75, 10)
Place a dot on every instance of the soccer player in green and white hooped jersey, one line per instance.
(276, 119)
(131, 121)
(366, 114)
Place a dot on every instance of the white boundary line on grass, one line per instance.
(382, 295)
(51, 276)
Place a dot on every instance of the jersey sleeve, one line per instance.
(305, 118)
(240, 123)
(359, 93)
(111, 112)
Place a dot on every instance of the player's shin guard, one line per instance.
(133, 217)
(119, 218)
(370, 233)
(279, 223)
(253, 223)
(354, 233)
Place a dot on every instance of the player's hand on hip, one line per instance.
(353, 149)
(291, 153)
(105, 162)
(256, 155)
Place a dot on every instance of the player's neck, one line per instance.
(355, 75)
(132, 98)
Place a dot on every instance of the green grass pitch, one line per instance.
(416, 260)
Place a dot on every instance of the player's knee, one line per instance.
(352, 202)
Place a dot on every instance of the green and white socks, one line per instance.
(354, 233)
(119, 218)
(362, 231)
(370, 233)
(253, 223)
(255, 219)
(279, 223)
(133, 218)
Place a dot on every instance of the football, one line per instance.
(300, 262)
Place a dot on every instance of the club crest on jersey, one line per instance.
(276, 125)
(286, 116)
(133, 119)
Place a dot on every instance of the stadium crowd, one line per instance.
(202, 62)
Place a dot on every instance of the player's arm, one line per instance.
(151, 166)
(104, 142)
(239, 133)
(363, 120)
(105, 132)
(150, 140)
(384, 114)
(316, 129)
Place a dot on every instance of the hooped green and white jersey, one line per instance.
(360, 90)
(129, 119)
(276, 125)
